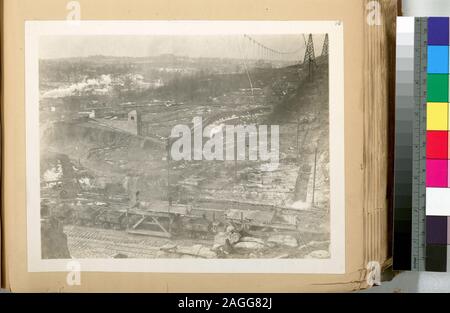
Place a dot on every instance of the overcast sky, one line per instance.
(191, 46)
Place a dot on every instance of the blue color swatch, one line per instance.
(438, 31)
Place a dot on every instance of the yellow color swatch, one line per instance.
(437, 116)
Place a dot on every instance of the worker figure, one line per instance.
(224, 242)
(137, 203)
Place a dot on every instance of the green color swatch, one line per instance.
(437, 87)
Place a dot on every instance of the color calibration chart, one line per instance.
(422, 148)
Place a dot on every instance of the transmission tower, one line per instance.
(310, 57)
(325, 46)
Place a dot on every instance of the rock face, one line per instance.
(168, 247)
(249, 245)
(196, 251)
(315, 245)
(284, 240)
(318, 254)
(252, 239)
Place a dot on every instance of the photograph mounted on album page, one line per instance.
(210, 146)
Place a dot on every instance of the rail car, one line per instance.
(197, 227)
(160, 224)
(86, 216)
(112, 219)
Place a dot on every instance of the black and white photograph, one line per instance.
(186, 145)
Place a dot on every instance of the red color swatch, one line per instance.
(437, 145)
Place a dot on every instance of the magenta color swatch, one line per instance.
(437, 173)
